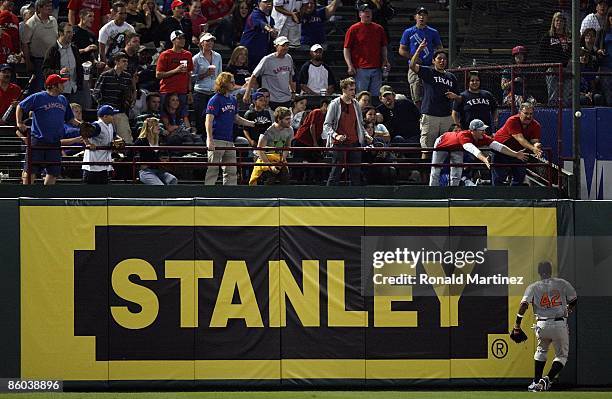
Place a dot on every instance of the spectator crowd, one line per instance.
(155, 74)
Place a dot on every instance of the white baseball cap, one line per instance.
(316, 47)
(279, 41)
(207, 36)
(175, 34)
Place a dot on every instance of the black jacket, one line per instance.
(51, 64)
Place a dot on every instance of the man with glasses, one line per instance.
(520, 132)
(111, 31)
(115, 88)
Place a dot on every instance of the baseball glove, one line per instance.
(518, 336)
(118, 144)
(87, 130)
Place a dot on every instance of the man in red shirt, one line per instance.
(365, 51)
(9, 92)
(100, 8)
(174, 68)
(520, 131)
(343, 127)
(309, 135)
(468, 140)
(10, 23)
(215, 12)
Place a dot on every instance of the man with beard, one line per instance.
(315, 76)
(520, 131)
(400, 116)
(475, 103)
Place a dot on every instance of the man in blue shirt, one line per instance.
(50, 110)
(313, 23)
(259, 32)
(221, 114)
(411, 38)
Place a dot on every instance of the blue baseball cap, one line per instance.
(107, 110)
(477, 124)
(4, 67)
(257, 95)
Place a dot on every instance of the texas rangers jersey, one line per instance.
(550, 297)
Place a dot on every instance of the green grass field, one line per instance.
(318, 395)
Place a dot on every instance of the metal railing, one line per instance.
(548, 177)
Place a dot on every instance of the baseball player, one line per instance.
(552, 300)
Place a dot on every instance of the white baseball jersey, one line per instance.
(550, 297)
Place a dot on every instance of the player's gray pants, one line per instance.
(440, 157)
(556, 332)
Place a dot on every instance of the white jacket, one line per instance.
(104, 138)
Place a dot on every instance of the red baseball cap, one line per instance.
(55, 79)
(176, 3)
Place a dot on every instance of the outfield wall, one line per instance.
(267, 292)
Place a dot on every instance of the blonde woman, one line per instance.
(149, 137)
(556, 46)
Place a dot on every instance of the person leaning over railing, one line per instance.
(468, 140)
(520, 131)
(149, 174)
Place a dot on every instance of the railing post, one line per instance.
(29, 157)
(560, 99)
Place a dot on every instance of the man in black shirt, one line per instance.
(83, 37)
(475, 103)
(439, 91)
(175, 22)
(261, 115)
(400, 116)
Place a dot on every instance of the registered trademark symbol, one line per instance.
(499, 348)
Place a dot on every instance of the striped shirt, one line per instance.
(113, 89)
